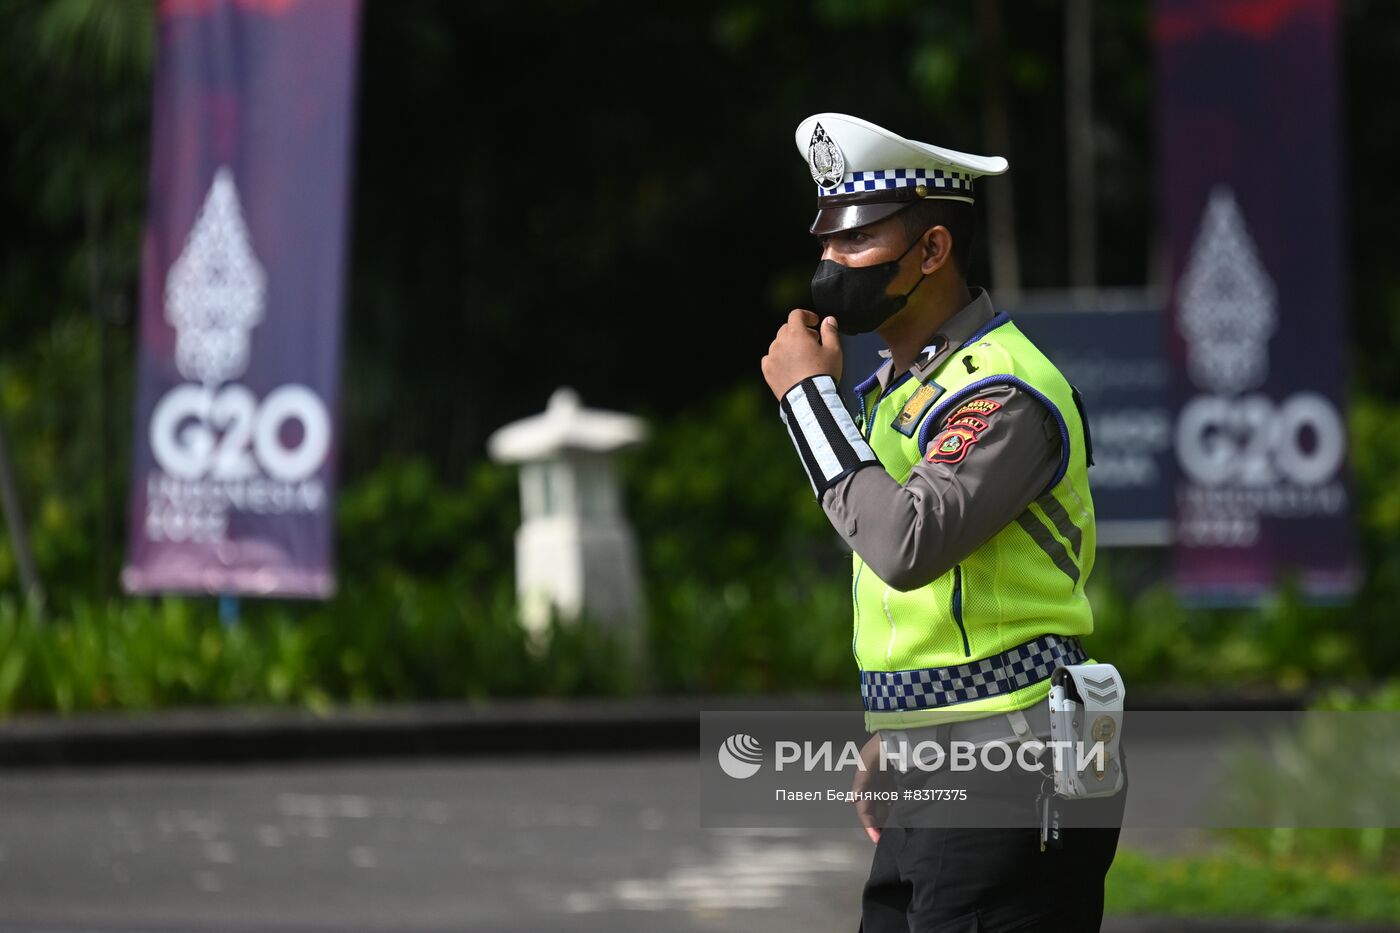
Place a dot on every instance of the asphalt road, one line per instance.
(582, 843)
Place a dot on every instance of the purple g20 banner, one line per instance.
(241, 289)
(1251, 197)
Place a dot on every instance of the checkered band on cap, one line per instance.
(930, 687)
(882, 179)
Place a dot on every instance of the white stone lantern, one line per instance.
(574, 550)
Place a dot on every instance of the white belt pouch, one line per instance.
(1086, 707)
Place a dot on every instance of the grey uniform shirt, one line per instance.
(911, 534)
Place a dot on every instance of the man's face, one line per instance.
(881, 241)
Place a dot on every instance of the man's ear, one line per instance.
(937, 249)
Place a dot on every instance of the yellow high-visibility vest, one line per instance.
(985, 636)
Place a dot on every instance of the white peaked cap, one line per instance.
(865, 173)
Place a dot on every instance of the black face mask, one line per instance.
(855, 296)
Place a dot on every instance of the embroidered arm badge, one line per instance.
(961, 431)
(952, 445)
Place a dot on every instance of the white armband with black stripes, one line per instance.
(826, 438)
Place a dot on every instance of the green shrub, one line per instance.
(1234, 885)
(747, 589)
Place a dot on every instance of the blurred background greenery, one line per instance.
(747, 590)
(671, 240)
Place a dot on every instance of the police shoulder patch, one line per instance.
(977, 406)
(975, 422)
(951, 445)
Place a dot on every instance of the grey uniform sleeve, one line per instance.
(985, 464)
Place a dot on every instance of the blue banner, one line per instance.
(1109, 347)
(1250, 182)
(233, 470)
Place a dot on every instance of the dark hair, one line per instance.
(957, 216)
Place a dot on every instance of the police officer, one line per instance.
(962, 488)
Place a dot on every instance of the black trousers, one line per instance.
(960, 879)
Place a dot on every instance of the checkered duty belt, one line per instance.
(934, 687)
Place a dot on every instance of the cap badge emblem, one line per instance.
(825, 160)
